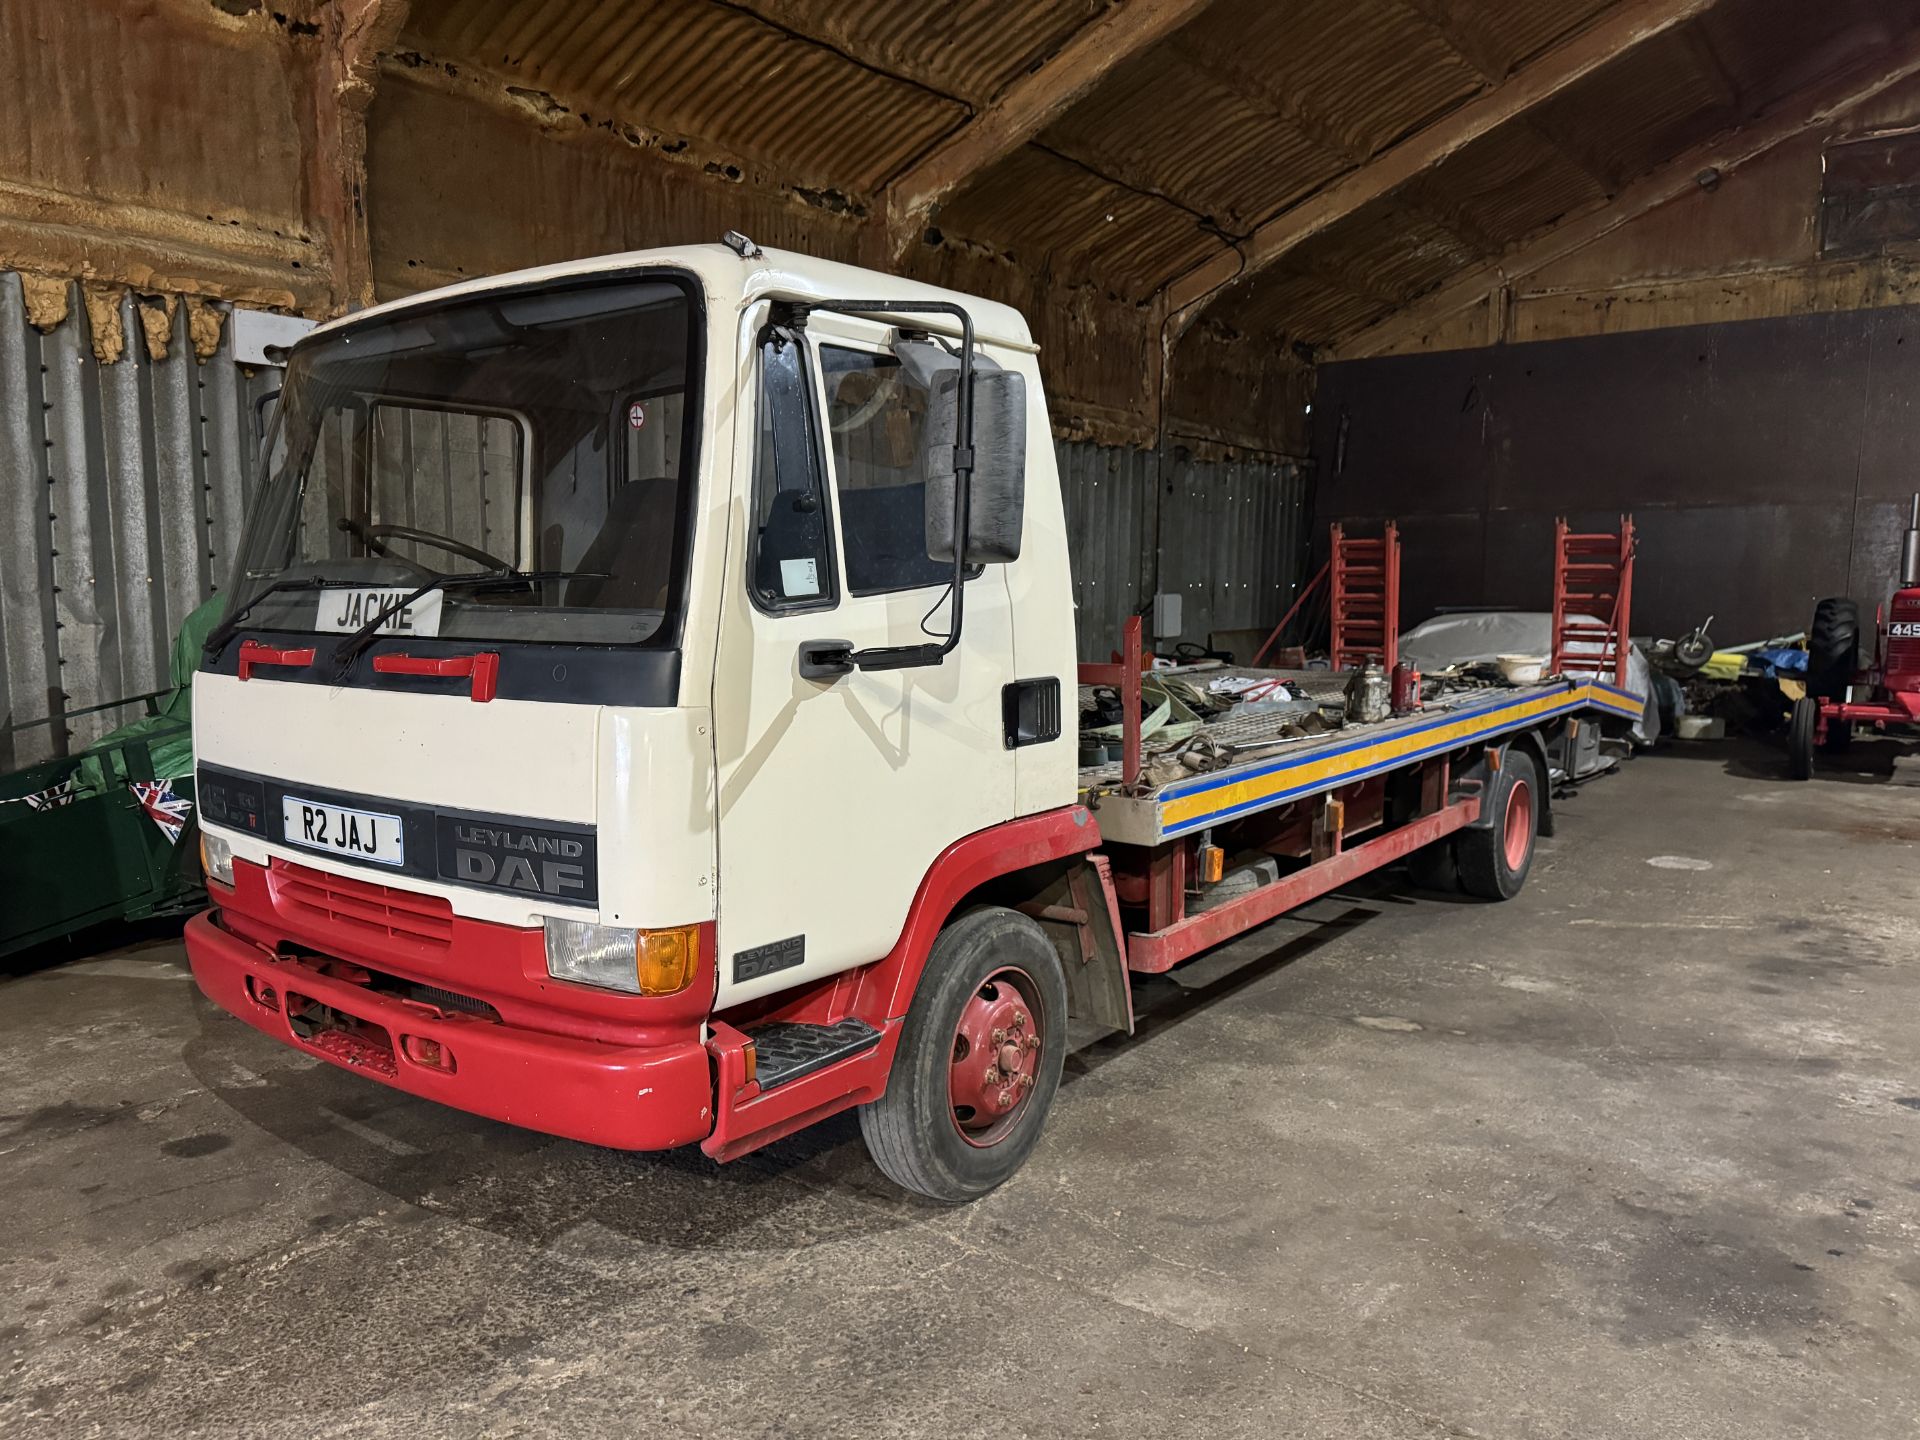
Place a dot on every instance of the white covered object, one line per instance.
(1485, 635)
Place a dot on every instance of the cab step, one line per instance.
(786, 1050)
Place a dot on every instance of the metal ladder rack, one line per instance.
(1592, 577)
(1365, 590)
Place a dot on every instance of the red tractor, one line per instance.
(1841, 695)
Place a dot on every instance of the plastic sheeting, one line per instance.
(1484, 635)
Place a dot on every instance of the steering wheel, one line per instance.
(373, 534)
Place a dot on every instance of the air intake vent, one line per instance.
(1031, 711)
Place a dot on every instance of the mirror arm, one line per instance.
(908, 657)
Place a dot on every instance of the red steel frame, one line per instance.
(1366, 598)
(1187, 936)
(1125, 677)
(1592, 575)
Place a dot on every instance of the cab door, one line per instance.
(838, 791)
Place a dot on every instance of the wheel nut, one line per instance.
(999, 1037)
(1033, 1042)
(992, 1077)
(1025, 1082)
(1006, 1100)
(1019, 1018)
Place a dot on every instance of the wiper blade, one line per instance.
(229, 627)
(350, 649)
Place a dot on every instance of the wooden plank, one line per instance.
(1816, 106)
(1566, 64)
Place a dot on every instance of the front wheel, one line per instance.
(1800, 733)
(979, 1060)
(1494, 860)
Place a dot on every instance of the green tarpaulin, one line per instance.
(169, 741)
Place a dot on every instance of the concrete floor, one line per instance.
(1637, 1154)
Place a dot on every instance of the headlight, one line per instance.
(216, 858)
(613, 957)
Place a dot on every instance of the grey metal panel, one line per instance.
(121, 494)
(1229, 539)
(26, 610)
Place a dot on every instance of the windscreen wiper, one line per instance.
(223, 632)
(350, 649)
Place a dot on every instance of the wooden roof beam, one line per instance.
(1025, 108)
(1813, 107)
(1630, 24)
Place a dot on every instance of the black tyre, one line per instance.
(1833, 647)
(1839, 736)
(1434, 867)
(1494, 860)
(1800, 732)
(979, 1060)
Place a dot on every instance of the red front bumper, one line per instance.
(645, 1097)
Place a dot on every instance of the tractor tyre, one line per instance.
(1833, 648)
(1800, 732)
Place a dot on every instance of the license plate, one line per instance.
(362, 834)
(1904, 630)
(344, 610)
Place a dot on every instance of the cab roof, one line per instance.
(731, 281)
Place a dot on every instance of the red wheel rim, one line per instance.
(996, 1056)
(1518, 831)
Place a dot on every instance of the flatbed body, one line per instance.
(1296, 769)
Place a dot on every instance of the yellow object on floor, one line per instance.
(1725, 665)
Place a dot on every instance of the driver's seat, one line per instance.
(634, 548)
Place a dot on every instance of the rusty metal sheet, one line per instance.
(120, 127)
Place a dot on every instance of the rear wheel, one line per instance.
(1800, 732)
(1833, 647)
(1494, 860)
(979, 1060)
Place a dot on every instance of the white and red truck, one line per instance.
(647, 713)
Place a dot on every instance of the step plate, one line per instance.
(787, 1051)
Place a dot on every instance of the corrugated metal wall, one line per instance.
(1230, 535)
(122, 488)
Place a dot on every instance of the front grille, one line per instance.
(405, 915)
(1903, 653)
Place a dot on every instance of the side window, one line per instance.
(874, 418)
(791, 566)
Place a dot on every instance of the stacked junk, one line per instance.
(1200, 711)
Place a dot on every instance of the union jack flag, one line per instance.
(163, 807)
(61, 794)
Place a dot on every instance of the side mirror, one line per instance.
(997, 492)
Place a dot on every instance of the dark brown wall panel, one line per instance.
(1766, 462)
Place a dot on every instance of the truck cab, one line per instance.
(634, 667)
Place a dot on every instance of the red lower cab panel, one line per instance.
(391, 984)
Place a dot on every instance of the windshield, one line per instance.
(548, 430)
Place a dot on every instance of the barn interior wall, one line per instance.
(1747, 248)
(1766, 463)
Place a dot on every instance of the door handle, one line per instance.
(825, 659)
